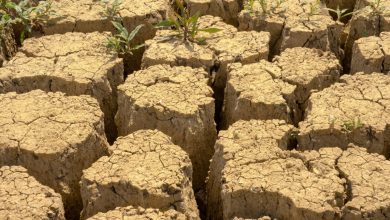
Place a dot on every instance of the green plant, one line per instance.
(186, 26)
(111, 9)
(341, 13)
(24, 13)
(351, 125)
(122, 42)
(314, 8)
(264, 6)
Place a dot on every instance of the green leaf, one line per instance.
(134, 32)
(138, 47)
(210, 30)
(165, 23)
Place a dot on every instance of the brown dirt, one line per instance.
(54, 136)
(132, 213)
(342, 4)
(371, 54)
(176, 101)
(251, 176)
(290, 26)
(23, 197)
(364, 97)
(226, 9)
(144, 169)
(73, 63)
(280, 89)
(7, 45)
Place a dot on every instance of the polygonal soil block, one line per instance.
(291, 26)
(88, 16)
(356, 110)
(371, 54)
(280, 89)
(23, 197)
(73, 63)
(144, 169)
(252, 176)
(176, 101)
(221, 49)
(364, 23)
(367, 176)
(54, 137)
(8, 46)
(130, 212)
(226, 9)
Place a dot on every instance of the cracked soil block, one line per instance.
(291, 26)
(364, 23)
(72, 63)
(251, 175)
(144, 169)
(226, 9)
(221, 49)
(132, 213)
(54, 137)
(280, 89)
(371, 54)
(356, 110)
(176, 101)
(23, 197)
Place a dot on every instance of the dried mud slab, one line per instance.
(23, 197)
(176, 101)
(88, 16)
(72, 63)
(222, 48)
(226, 9)
(371, 54)
(54, 137)
(291, 26)
(252, 175)
(280, 89)
(356, 110)
(132, 213)
(144, 169)
(364, 23)
(8, 45)
(368, 176)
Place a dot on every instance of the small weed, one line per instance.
(112, 8)
(341, 13)
(351, 125)
(314, 8)
(122, 42)
(264, 6)
(185, 25)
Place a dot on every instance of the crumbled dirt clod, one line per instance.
(291, 26)
(251, 175)
(23, 197)
(73, 63)
(226, 9)
(54, 137)
(278, 90)
(176, 101)
(356, 110)
(132, 213)
(371, 54)
(144, 169)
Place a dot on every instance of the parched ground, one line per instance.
(371, 54)
(72, 63)
(54, 137)
(292, 25)
(252, 175)
(280, 89)
(144, 169)
(23, 197)
(356, 110)
(176, 101)
(138, 214)
(226, 9)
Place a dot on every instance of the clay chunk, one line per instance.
(23, 197)
(280, 89)
(132, 213)
(72, 63)
(292, 25)
(226, 9)
(54, 137)
(144, 169)
(253, 175)
(176, 101)
(356, 110)
(90, 15)
(371, 54)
